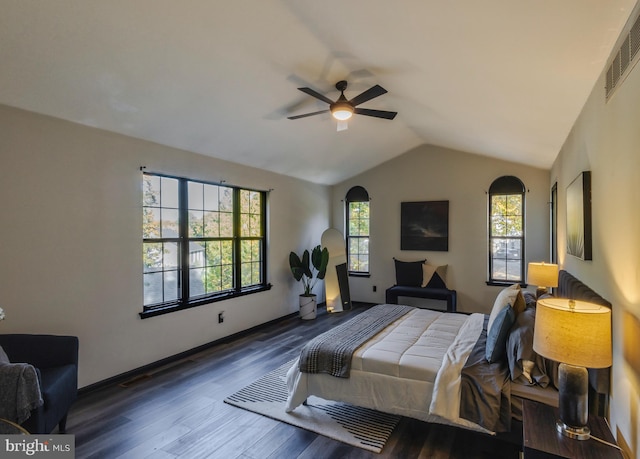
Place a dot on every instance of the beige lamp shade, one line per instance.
(578, 335)
(542, 274)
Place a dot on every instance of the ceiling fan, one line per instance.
(342, 109)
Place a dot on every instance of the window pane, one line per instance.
(170, 285)
(152, 257)
(214, 279)
(227, 277)
(226, 199)
(226, 224)
(363, 261)
(196, 223)
(169, 192)
(499, 248)
(256, 203)
(151, 190)
(211, 224)
(514, 226)
(171, 252)
(499, 269)
(498, 205)
(196, 196)
(514, 204)
(150, 222)
(152, 288)
(213, 253)
(169, 223)
(211, 197)
(513, 270)
(498, 226)
(197, 254)
(196, 282)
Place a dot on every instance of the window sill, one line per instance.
(359, 275)
(505, 284)
(161, 310)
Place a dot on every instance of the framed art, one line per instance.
(579, 217)
(424, 225)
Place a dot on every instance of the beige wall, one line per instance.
(70, 250)
(606, 141)
(430, 173)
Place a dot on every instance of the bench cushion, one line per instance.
(448, 295)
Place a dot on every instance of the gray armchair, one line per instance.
(56, 361)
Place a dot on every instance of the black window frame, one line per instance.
(507, 185)
(183, 240)
(357, 194)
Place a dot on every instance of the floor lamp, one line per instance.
(577, 334)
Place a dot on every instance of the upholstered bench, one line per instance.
(450, 296)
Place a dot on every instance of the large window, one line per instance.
(202, 242)
(357, 208)
(506, 230)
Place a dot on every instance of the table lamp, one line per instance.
(577, 334)
(544, 275)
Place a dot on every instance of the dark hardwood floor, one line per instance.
(178, 411)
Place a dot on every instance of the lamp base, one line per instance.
(573, 405)
(577, 433)
(541, 291)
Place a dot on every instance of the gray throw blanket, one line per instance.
(485, 392)
(331, 351)
(19, 391)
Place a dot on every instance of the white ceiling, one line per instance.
(502, 78)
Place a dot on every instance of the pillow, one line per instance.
(4, 359)
(529, 299)
(525, 365)
(497, 335)
(434, 276)
(520, 344)
(409, 273)
(507, 297)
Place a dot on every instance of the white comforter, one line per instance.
(411, 368)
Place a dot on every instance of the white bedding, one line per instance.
(411, 368)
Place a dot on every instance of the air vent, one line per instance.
(624, 60)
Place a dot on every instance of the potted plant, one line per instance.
(309, 269)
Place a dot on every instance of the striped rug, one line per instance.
(361, 427)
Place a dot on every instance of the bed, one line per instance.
(433, 366)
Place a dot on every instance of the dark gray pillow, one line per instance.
(520, 342)
(540, 371)
(498, 333)
(409, 273)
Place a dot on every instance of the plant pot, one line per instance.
(308, 307)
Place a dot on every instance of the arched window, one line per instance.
(506, 230)
(357, 209)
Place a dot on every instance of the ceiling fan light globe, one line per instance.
(342, 111)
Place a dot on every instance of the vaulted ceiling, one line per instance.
(501, 78)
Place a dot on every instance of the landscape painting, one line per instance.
(579, 217)
(424, 225)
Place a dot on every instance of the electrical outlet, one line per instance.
(221, 317)
(375, 288)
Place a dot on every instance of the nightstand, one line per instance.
(542, 440)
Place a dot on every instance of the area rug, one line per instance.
(361, 427)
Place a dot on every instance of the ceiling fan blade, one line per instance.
(369, 94)
(376, 113)
(316, 94)
(307, 114)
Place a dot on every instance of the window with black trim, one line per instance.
(202, 242)
(357, 208)
(506, 230)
